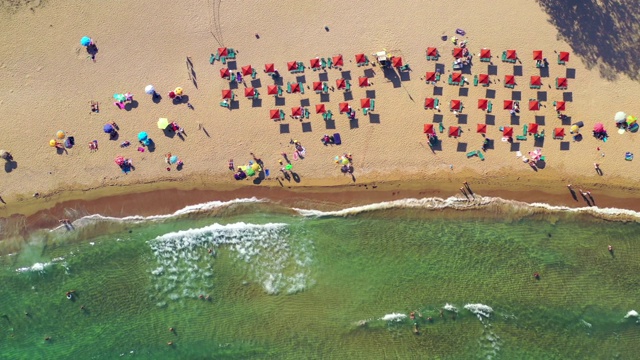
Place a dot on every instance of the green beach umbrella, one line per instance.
(288, 167)
(163, 123)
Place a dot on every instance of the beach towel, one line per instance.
(295, 155)
(460, 32)
(336, 139)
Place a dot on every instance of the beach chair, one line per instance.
(323, 63)
(223, 59)
(282, 114)
(525, 129)
(329, 62)
(504, 56)
(436, 103)
(347, 86)
(475, 80)
(472, 153)
(329, 115)
(405, 67)
(256, 94)
(306, 113)
(521, 137)
(364, 111)
(450, 80)
(254, 74)
(213, 58)
(232, 54)
(232, 77)
(489, 107)
(325, 88)
(539, 136)
(301, 87)
(280, 91)
(480, 155)
(373, 105)
(224, 104)
(288, 87)
(441, 128)
(300, 66)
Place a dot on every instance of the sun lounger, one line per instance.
(254, 74)
(301, 87)
(280, 90)
(441, 128)
(436, 103)
(232, 53)
(472, 153)
(525, 129)
(300, 66)
(405, 67)
(347, 86)
(475, 80)
(288, 87)
(213, 58)
(489, 107)
(224, 104)
(364, 111)
(325, 88)
(560, 62)
(480, 155)
(223, 59)
(306, 113)
(329, 62)
(232, 77)
(329, 115)
(256, 94)
(373, 105)
(521, 137)
(336, 139)
(323, 63)
(282, 114)
(539, 136)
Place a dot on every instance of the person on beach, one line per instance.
(168, 158)
(231, 167)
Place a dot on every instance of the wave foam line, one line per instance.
(191, 209)
(459, 203)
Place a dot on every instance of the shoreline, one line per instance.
(160, 198)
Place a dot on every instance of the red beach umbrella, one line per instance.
(432, 52)
(534, 105)
(509, 80)
(536, 80)
(508, 105)
(428, 129)
(481, 128)
(456, 104)
(598, 127)
(454, 131)
(562, 83)
(272, 90)
(227, 94)
(317, 86)
(338, 61)
(537, 54)
(483, 79)
(344, 107)
(269, 68)
(320, 109)
(296, 111)
(430, 76)
(223, 52)
(315, 63)
(511, 55)
(560, 106)
(396, 61)
(361, 59)
(485, 54)
(456, 77)
(483, 104)
(429, 103)
(172, 95)
(292, 65)
(365, 103)
(119, 160)
(563, 56)
(533, 128)
(247, 70)
(341, 84)
(249, 92)
(224, 73)
(507, 132)
(274, 114)
(364, 81)
(295, 88)
(558, 132)
(457, 52)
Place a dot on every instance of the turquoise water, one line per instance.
(277, 285)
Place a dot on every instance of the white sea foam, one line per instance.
(37, 267)
(394, 317)
(268, 252)
(208, 206)
(450, 307)
(480, 310)
(631, 313)
(459, 203)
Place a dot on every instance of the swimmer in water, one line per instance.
(69, 295)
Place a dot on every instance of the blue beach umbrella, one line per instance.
(142, 136)
(173, 159)
(108, 128)
(85, 41)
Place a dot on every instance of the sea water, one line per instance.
(410, 279)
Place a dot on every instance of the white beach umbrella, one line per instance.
(150, 90)
(620, 116)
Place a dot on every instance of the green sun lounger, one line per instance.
(301, 87)
(521, 137)
(480, 155)
(254, 74)
(323, 63)
(329, 62)
(280, 91)
(325, 87)
(560, 62)
(525, 129)
(489, 107)
(213, 58)
(347, 86)
(232, 53)
(441, 128)
(288, 87)
(282, 114)
(306, 113)
(475, 80)
(223, 59)
(373, 105)
(365, 110)
(256, 94)
(436, 102)
(224, 104)
(329, 115)
(472, 153)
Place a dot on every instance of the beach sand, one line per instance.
(48, 83)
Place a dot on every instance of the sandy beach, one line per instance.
(49, 81)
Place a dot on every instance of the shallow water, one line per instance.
(288, 286)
